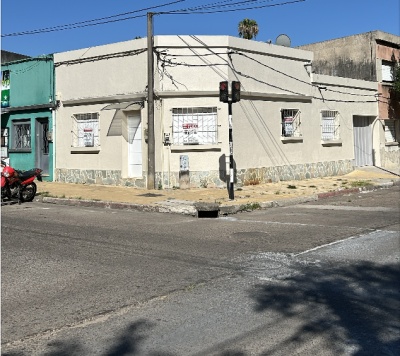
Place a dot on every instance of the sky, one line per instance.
(42, 27)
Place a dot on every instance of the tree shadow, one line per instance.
(127, 342)
(354, 306)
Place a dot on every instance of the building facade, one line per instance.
(27, 114)
(368, 56)
(289, 124)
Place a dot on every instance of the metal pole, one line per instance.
(150, 104)
(231, 169)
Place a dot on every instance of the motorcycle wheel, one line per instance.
(28, 192)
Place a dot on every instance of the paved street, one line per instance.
(317, 278)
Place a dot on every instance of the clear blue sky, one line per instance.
(304, 22)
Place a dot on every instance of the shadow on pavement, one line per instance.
(354, 307)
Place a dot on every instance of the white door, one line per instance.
(134, 145)
(362, 141)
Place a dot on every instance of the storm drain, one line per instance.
(207, 213)
(207, 210)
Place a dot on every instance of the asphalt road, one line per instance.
(317, 278)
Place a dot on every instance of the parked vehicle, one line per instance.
(16, 184)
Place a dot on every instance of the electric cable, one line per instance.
(88, 23)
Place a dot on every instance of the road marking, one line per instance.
(346, 239)
(354, 208)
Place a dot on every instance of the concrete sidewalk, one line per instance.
(214, 200)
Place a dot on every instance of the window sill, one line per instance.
(391, 144)
(291, 139)
(22, 150)
(89, 150)
(331, 143)
(193, 148)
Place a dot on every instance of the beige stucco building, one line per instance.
(289, 124)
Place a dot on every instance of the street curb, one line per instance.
(192, 208)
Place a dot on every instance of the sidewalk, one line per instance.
(214, 200)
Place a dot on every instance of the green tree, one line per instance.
(396, 78)
(248, 29)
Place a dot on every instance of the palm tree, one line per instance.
(248, 29)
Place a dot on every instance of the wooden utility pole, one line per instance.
(150, 104)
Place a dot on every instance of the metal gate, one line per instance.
(362, 141)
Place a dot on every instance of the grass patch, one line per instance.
(290, 186)
(361, 183)
(250, 207)
(312, 186)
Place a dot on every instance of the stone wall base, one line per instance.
(210, 179)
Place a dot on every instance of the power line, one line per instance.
(93, 22)
(191, 12)
(116, 18)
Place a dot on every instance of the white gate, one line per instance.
(134, 145)
(362, 141)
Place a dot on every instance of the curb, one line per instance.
(186, 207)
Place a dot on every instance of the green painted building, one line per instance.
(27, 114)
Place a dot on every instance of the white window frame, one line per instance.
(330, 125)
(390, 131)
(85, 130)
(387, 71)
(22, 130)
(194, 126)
(290, 121)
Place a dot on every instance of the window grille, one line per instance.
(194, 126)
(330, 125)
(390, 131)
(85, 130)
(22, 134)
(290, 120)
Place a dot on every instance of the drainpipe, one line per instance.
(53, 120)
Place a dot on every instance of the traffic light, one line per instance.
(235, 92)
(223, 92)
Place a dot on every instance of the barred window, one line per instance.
(390, 131)
(22, 134)
(194, 126)
(290, 120)
(85, 130)
(330, 125)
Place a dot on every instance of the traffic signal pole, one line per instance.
(231, 191)
(224, 97)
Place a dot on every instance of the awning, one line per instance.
(119, 125)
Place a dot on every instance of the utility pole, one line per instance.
(150, 104)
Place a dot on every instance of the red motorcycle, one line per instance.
(16, 184)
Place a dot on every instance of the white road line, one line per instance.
(354, 208)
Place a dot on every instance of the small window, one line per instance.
(330, 125)
(21, 134)
(387, 71)
(85, 130)
(194, 126)
(290, 120)
(390, 131)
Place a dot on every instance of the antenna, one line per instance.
(283, 40)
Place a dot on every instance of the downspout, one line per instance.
(53, 119)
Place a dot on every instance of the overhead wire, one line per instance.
(204, 11)
(92, 22)
(171, 63)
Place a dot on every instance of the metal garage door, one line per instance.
(362, 141)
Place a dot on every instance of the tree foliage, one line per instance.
(248, 29)
(396, 78)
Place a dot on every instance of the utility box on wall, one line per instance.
(184, 179)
